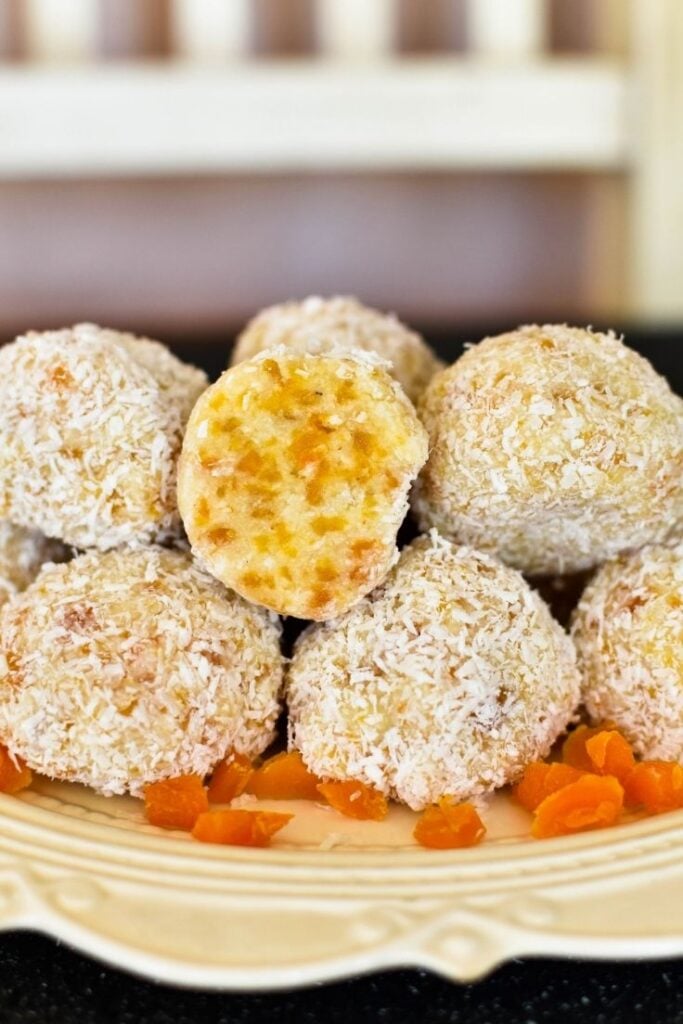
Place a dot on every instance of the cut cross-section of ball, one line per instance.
(294, 478)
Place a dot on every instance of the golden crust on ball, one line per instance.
(294, 478)
(91, 422)
(553, 447)
(341, 324)
(22, 553)
(628, 631)
(447, 680)
(123, 668)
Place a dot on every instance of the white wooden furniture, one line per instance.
(357, 104)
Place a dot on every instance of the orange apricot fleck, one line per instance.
(251, 579)
(282, 532)
(202, 512)
(320, 596)
(272, 368)
(284, 777)
(449, 826)
(325, 571)
(355, 800)
(175, 803)
(540, 779)
(230, 778)
(239, 827)
(328, 524)
(14, 775)
(593, 801)
(610, 754)
(655, 785)
(221, 535)
(59, 377)
(251, 462)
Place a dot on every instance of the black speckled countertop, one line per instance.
(42, 982)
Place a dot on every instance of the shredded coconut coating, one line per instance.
(91, 423)
(22, 553)
(447, 680)
(628, 631)
(123, 668)
(294, 478)
(341, 323)
(554, 447)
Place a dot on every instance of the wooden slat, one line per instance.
(10, 29)
(430, 26)
(506, 28)
(134, 29)
(356, 29)
(210, 30)
(656, 248)
(283, 28)
(408, 114)
(60, 30)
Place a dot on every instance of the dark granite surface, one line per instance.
(42, 981)
(45, 983)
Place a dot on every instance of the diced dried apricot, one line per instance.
(355, 800)
(239, 827)
(540, 779)
(655, 785)
(574, 747)
(14, 775)
(284, 777)
(175, 803)
(449, 826)
(610, 754)
(593, 801)
(230, 778)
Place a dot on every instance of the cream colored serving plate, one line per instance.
(92, 872)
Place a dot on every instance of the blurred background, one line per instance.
(170, 166)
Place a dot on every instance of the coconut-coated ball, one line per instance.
(126, 667)
(628, 631)
(91, 422)
(447, 680)
(554, 447)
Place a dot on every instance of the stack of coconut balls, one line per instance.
(128, 655)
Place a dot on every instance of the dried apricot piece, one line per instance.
(593, 801)
(14, 775)
(355, 800)
(239, 827)
(540, 779)
(655, 785)
(574, 747)
(449, 826)
(610, 754)
(284, 777)
(230, 778)
(175, 803)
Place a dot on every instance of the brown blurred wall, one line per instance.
(197, 256)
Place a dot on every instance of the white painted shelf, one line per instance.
(313, 115)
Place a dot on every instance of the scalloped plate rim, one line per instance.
(397, 879)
